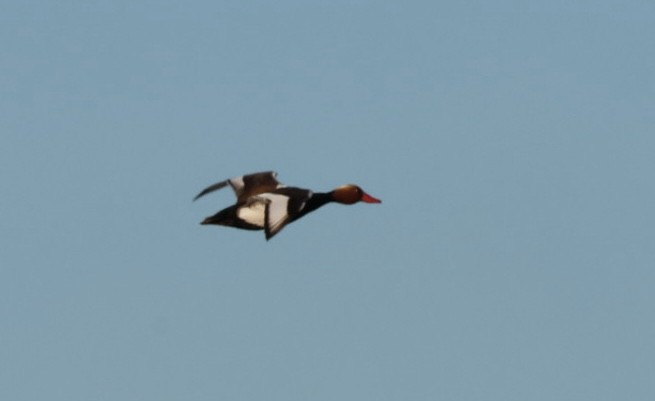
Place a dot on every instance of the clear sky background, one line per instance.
(512, 143)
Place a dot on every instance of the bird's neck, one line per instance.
(317, 200)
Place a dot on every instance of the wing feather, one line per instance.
(211, 188)
(277, 213)
(254, 184)
(246, 186)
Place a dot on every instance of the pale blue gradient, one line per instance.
(512, 144)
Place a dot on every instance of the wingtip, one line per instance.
(211, 188)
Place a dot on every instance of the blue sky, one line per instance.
(511, 143)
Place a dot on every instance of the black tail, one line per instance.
(225, 217)
(228, 217)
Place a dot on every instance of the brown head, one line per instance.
(349, 194)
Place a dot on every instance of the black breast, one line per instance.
(302, 201)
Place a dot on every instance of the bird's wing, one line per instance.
(247, 185)
(267, 210)
(254, 184)
(276, 214)
(253, 211)
(211, 188)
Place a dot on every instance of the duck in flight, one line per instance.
(263, 203)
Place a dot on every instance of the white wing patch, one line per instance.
(237, 184)
(277, 210)
(254, 211)
(268, 211)
(277, 214)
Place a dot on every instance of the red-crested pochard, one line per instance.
(264, 203)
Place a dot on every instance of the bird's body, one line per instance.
(263, 203)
